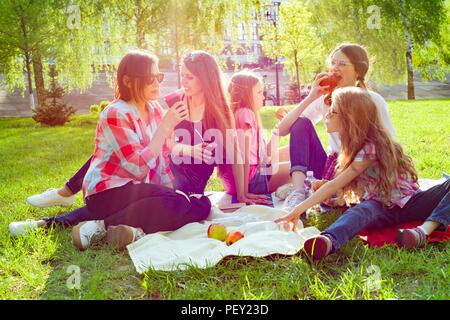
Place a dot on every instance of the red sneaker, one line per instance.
(318, 247)
(411, 238)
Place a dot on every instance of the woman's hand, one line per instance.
(290, 219)
(257, 198)
(316, 89)
(177, 113)
(201, 152)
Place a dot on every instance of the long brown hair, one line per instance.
(137, 65)
(217, 114)
(240, 90)
(361, 124)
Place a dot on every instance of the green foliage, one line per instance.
(53, 112)
(295, 40)
(94, 109)
(103, 104)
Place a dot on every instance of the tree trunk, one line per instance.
(138, 15)
(26, 53)
(177, 55)
(38, 78)
(409, 64)
(297, 71)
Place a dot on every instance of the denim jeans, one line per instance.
(430, 205)
(306, 151)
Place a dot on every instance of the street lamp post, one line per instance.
(272, 15)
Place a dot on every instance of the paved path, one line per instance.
(14, 105)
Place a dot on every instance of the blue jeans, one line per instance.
(306, 151)
(430, 205)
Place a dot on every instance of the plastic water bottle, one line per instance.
(308, 183)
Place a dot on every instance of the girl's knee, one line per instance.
(301, 124)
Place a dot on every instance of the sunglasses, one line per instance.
(151, 79)
(159, 77)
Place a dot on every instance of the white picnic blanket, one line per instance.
(190, 245)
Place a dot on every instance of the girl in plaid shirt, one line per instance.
(127, 187)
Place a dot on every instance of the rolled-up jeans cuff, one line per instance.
(335, 245)
(443, 224)
(298, 168)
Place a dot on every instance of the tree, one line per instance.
(294, 39)
(392, 30)
(53, 112)
(36, 33)
(23, 34)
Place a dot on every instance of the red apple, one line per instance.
(232, 237)
(331, 81)
(217, 231)
(281, 113)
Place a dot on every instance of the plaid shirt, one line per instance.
(121, 152)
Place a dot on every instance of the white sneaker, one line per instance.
(295, 198)
(87, 233)
(19, 228)
(50, 198)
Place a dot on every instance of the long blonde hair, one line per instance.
(360, 125)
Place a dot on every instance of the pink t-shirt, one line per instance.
(245, 119)
(367, 181)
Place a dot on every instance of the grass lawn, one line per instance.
(34, 158)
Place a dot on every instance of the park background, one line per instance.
(63, 54)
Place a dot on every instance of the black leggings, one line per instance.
(151, 207)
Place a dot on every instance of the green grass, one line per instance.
(35, 158)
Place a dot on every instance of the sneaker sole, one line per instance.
(406, 239)
(119, 236)
(50, 205)
(316, 247)
(76, 240)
